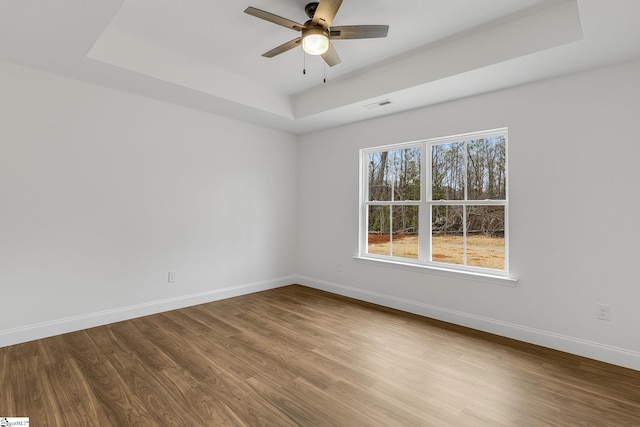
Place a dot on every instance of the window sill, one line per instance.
(441, 271)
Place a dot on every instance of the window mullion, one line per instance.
(391, 219)
(466, 198)
(397, 203)
(465, 174)
(424, 210)
(392, 181)
(464, 235)
(486, 202)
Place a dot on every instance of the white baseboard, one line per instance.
(76, 323)
(617, 356)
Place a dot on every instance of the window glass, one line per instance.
(380, 176)
(447, 171)
(486, 176)
(406, 173)
(405, 232)
(485, 236)
(447, 234)
(379, 230)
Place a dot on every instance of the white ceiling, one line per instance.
(207, 54)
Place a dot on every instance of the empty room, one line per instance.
(344, 213)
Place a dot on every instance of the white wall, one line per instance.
(573, 153)
(103, 192)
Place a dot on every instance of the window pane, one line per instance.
(447, 171)
(379, 230)
(447, 234)
(380, 175)
(485, 236)
(405, 232)
(486, 178)
(406, 167)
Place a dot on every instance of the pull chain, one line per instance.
(304, 67)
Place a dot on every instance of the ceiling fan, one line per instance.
(317, 32)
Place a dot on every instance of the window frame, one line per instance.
(425, 206)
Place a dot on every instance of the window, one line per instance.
(440, 202)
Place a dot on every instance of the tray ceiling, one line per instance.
(207, 55)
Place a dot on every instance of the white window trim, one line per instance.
(475, 276)
(501, 277)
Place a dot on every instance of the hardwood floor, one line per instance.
(298, 356)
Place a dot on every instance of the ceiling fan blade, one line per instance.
(267, 16)
(331, 56)
(283, 48)
(325, 12)
(358, 32)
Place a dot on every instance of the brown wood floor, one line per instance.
(298, 356)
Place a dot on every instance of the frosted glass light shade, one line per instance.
(315, 42)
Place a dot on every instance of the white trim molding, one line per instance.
(90, 320)
(440, 271)
(604, 353)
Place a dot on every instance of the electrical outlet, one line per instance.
(604, 311)
(339, 266)
(172, 276)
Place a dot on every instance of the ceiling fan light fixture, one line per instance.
(315, 41)
(317, 33)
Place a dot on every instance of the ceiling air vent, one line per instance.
(378, 104)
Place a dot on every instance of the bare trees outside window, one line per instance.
(464, 201)
(468, 188)
(394, 178)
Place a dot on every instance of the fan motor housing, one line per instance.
(314, 29)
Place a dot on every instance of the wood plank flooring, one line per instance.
(295, 356)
